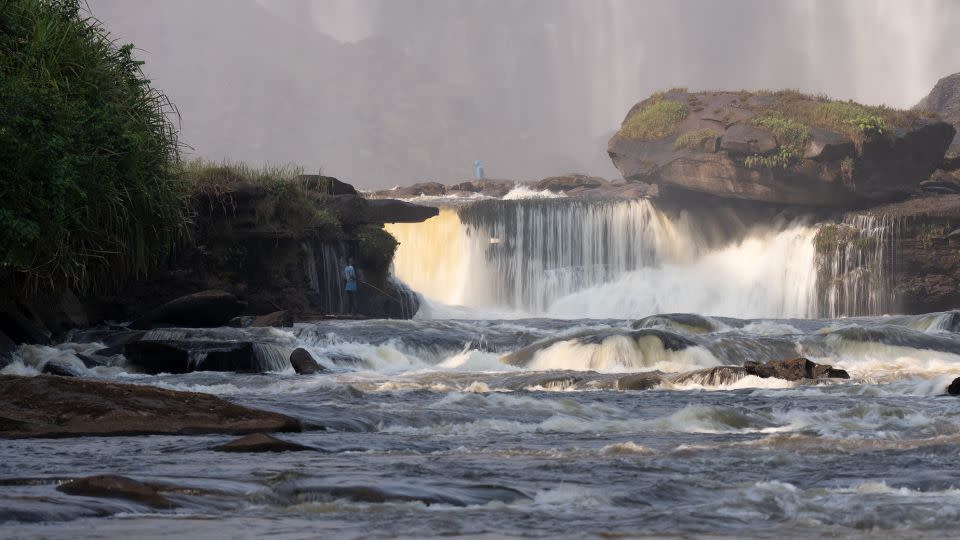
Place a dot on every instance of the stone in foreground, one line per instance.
(117, 487)
(261, 442)
(48, 406)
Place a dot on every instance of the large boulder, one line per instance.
(277, 319)
(428, 189)
(205, 309)
(782, 148)
(954, 388)
(46, 406)
(155, 356)
(303, 362)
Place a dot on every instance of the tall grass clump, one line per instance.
(656, 119)
(284, 205)
(87, 147)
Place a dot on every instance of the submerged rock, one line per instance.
(261, 442)
(206, 309)
(46, 406)
(640, 381)
(60, 369)
(117, 487)
(794, 370)
(303, 362)
(954, 388)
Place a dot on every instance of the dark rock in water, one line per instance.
(429, 189)
(261, 442)
(174, 356)
(690, 322)
(794, 370)
(94, 360)
(715, 376)
(116, 487)
(640, 381)
(954, 388)
(60, 370)
(277, 319)
(452, 494)
(204, 309)
(45, 406)
(243, 321)
(394, 211)
(488, 186)
(303, 362)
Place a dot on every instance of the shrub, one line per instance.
(791, 136)
(655, 120)
(86, 150)
(695, 139)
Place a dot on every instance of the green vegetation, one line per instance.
(285, 203)
(791, 136)
(695, 139)
(847, 167)
(86, 148)
(376, 246)
(657, 118)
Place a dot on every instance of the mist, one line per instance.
(387, 92)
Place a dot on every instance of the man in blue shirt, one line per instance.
(350, 274)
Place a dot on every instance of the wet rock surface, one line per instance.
(954, 388)
(261, 442)
(303, 362)
(278, 319)
(794, 370)
(117, 487)
(47, 406)
(184, 356)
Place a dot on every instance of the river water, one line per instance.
(453, 441)
(497, 412)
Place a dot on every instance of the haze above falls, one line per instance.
(382, 92)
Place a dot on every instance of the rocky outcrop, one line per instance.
(205, 309)
(259, 443)
(394, 211)
(954, 388)
(303, 362)
(117, 487)
(944, 100)
(921, 255)
(486, 187)
(783, 148)
(46, 406)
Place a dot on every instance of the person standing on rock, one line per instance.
(350, 274)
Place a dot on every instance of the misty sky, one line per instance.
(386, 92)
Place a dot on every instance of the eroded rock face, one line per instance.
(117, 487)
(46, 406)
(944, 99)
(395, 211)
(719, 144)
(184, 356)
(277, 319)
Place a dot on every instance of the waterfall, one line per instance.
(322, 266)
(613, 258)
(856, 262)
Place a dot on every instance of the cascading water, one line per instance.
(856, 262)
(614, 258)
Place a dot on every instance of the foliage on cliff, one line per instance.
(86, 148)
(285, 204)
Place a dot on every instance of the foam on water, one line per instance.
(621, 354)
